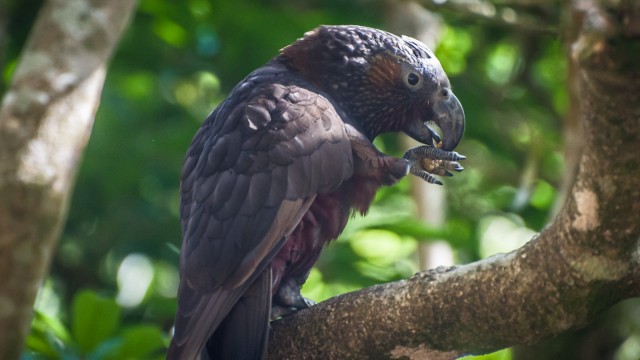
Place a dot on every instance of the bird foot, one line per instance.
(278, 311)
(288, 300)
(427, 161)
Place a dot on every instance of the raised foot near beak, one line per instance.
(427, 161)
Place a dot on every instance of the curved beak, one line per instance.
(450, 119)
(449, 116)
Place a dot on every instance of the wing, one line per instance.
(251, 173)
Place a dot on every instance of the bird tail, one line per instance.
(244, 332)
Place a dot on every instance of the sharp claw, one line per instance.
(452, 166)
(309, 302)
(278, 311)
(427, 161)
(288, 298)
(441, 171)
(433, 153)
(416, 170)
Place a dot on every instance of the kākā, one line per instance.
(277, 168)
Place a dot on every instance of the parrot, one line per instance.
(278, 167)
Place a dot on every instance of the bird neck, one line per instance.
(363, 105)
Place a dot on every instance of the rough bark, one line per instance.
(586, 260)
(45, 121)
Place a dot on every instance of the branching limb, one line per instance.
(585, 261)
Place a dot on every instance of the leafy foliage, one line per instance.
(96, 333)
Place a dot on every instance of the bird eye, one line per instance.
(412, 78)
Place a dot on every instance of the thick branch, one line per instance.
(45, 122)
(586, 260)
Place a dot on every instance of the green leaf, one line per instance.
(40, 344)
(94, 319)
(138, 342)
(48, 337)
(43, 322)
(382, 247)
(501, 62)
(543, 195)
(171, 32)
(504, 354)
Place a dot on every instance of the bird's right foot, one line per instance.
(427, 161)
(288, 300)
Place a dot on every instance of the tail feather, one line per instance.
(241, 334)
(244, 332)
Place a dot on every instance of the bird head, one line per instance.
(382, 82)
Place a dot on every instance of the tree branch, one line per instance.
(585, 261)
(497, 13)
(45, 122)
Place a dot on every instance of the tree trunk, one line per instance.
(586, 260)
(45, 121)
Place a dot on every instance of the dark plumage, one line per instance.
(276, 170)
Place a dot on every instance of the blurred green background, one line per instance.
(113, 280)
